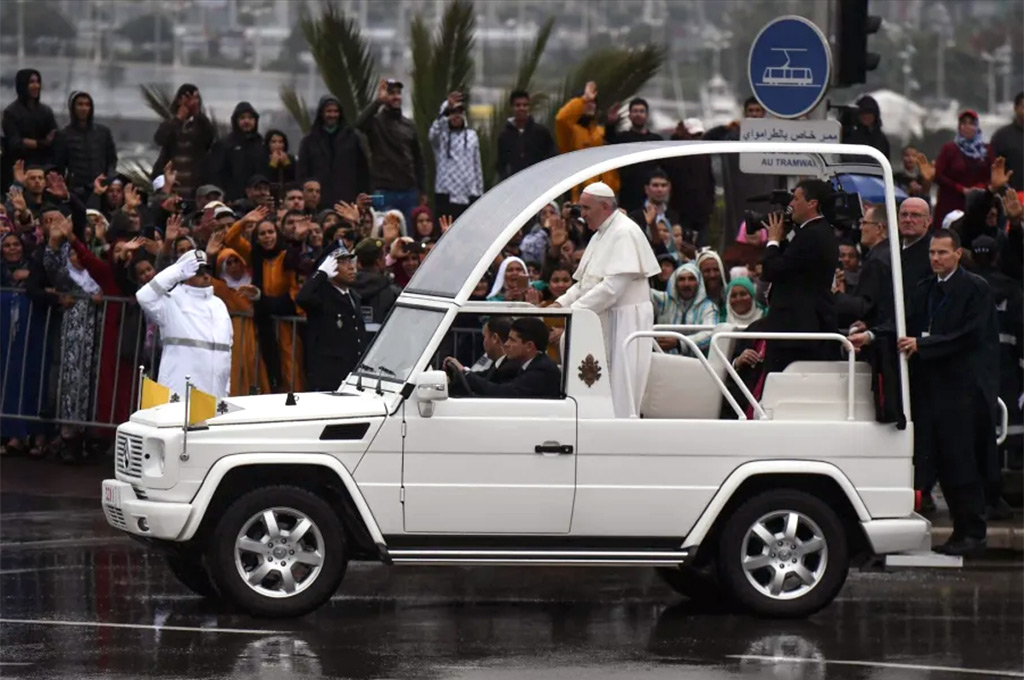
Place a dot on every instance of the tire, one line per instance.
(811, 575)
(192, 574)
(698, 585)
(293, 578)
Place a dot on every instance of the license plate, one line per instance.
(111, 494)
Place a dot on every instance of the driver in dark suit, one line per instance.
(538, 376)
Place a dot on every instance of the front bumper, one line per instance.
(125, 511)
(901, 534)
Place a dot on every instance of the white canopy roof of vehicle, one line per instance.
(478, 236)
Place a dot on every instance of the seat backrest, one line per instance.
(680, 386)
(817, 394)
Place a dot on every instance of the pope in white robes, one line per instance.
(611, 281)
(195, 327)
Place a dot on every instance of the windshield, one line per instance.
(400, 343)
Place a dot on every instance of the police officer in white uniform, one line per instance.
(195, 328)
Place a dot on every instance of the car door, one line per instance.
(490, 466)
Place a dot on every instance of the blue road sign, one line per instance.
(789, 66)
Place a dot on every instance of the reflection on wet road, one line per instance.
(80, 601)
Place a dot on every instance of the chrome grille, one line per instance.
(114, 516)
(128, 454)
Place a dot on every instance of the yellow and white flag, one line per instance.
(201, 406)
(154, 394)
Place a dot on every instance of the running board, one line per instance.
(923, 558)
(637, 558)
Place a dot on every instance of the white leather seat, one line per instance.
(817, 390)
(680, 387)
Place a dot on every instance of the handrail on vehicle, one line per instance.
(696, 351)
(761, 415)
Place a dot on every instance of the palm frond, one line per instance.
(453, 50)
(136, 172)
(296, 106)
(346, 64)
(158, 98)
(440, 64)
(524, 80)
(619, 74)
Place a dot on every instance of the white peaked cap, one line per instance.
(599, 189)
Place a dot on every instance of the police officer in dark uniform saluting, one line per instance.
(953, 345)
(335, 333)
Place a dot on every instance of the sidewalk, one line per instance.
(49, 478)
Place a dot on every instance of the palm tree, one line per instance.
(524, 81)
(441, 64)
(344, 60)
(619, 74)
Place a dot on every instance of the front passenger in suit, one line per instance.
(538, 377)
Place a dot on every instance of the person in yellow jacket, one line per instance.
(577, 127)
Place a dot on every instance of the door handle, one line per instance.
(553, 447)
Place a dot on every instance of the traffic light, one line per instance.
(853, 61)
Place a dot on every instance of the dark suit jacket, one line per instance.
(335, 334)
(800, 273)
(916, 264)
(541, 379)
(502, 372)
(871, 300)
(957, 358)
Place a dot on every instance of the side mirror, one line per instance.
(431, 386)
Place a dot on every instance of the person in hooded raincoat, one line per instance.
(84, 149)
(863, 125)
(240, 155)
(233, 285)
(29, 126)
(332, 155)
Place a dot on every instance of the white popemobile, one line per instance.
(264, 505)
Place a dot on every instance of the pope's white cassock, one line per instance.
(611, 281)
(195, 330)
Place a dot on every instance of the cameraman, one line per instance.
(800, 268)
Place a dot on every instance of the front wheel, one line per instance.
(783, 553)
(278, 551)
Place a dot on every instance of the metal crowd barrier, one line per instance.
(34, 349)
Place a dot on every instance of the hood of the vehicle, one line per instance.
(268, 408)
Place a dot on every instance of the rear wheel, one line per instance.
(278, 551)
(189, 570)
(783, 553)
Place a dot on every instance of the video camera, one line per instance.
(843, 212)
(780, 199)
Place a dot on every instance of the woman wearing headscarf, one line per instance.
(280, 163)
(185, 138)
(273, 269)
(684, 302)
(743, 308)
(424, 226)
(233, 285)
(81, 298)
(22, 350)
(962, 165)
(512, 284)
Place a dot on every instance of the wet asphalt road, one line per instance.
(60, 565)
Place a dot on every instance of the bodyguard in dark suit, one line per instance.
(335, 334)
(953, 345)
(800, 272)
(538, 377)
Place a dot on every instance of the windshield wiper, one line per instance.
(368, 367)
(387, 371)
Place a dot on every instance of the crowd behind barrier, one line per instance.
(307, 246)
